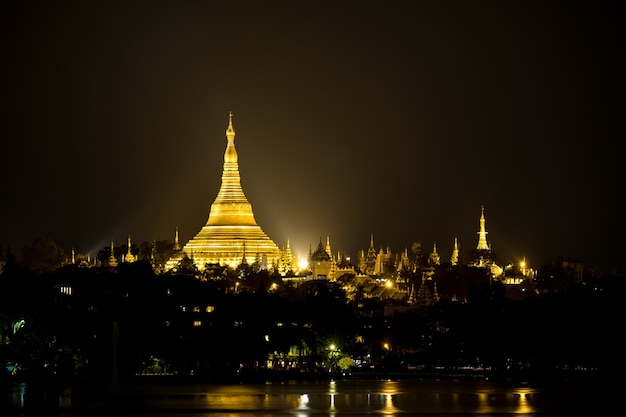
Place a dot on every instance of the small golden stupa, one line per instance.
(231, 235)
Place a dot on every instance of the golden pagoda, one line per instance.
(482, 234)
(231, 235)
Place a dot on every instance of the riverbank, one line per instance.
(526, 377)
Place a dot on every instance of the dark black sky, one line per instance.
(398, 119)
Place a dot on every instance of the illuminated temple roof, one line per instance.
(231, 233)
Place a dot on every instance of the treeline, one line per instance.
(115, 323)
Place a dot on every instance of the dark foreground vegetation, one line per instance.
(109, 326)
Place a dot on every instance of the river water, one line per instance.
(324, 398)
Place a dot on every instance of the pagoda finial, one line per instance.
(230, 155)
(230, 132)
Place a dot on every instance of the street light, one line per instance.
(332, 356)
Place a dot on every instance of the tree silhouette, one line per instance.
(43, 255)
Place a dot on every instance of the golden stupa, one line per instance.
(231, 235)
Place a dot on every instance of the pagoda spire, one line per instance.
(231, 207)
(482, 234)
(129, 256)
(230, 131)
(328, 251)
(176, 244)
(454, 259)
(112, 258)
(434, 258)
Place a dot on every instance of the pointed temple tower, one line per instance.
(112, 257)
(482, 234)
(176, 244)
(129, 257)
(231, 234)
(454, 259)
(370, 260)
(434, 258)
(483, 257)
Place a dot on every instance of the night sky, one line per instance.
(398, 119)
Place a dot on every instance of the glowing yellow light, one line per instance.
(389, 284)
(304, 264)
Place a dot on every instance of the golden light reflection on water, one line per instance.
(524, 405)
(392, 398)
(332, 393)
(336, 398)
(490, 402)
(390, 390)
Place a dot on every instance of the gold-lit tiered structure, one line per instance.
(482, 233)
(231, 235)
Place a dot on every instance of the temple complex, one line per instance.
(231, 235)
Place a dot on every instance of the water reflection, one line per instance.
(496, 400)
(18, 392)
(332, 398)
(523, 405)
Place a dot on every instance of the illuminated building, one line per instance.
(383, 259)
(287, 261)
(231, 235)
(333, 260)
(176, 244)
(433, 258)
(454, 259)
(370, 259)
(482, 233)
(483, 257)
(112, 257)
(405, 262)
(426, 296)
(129, 257)
(321, 263)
